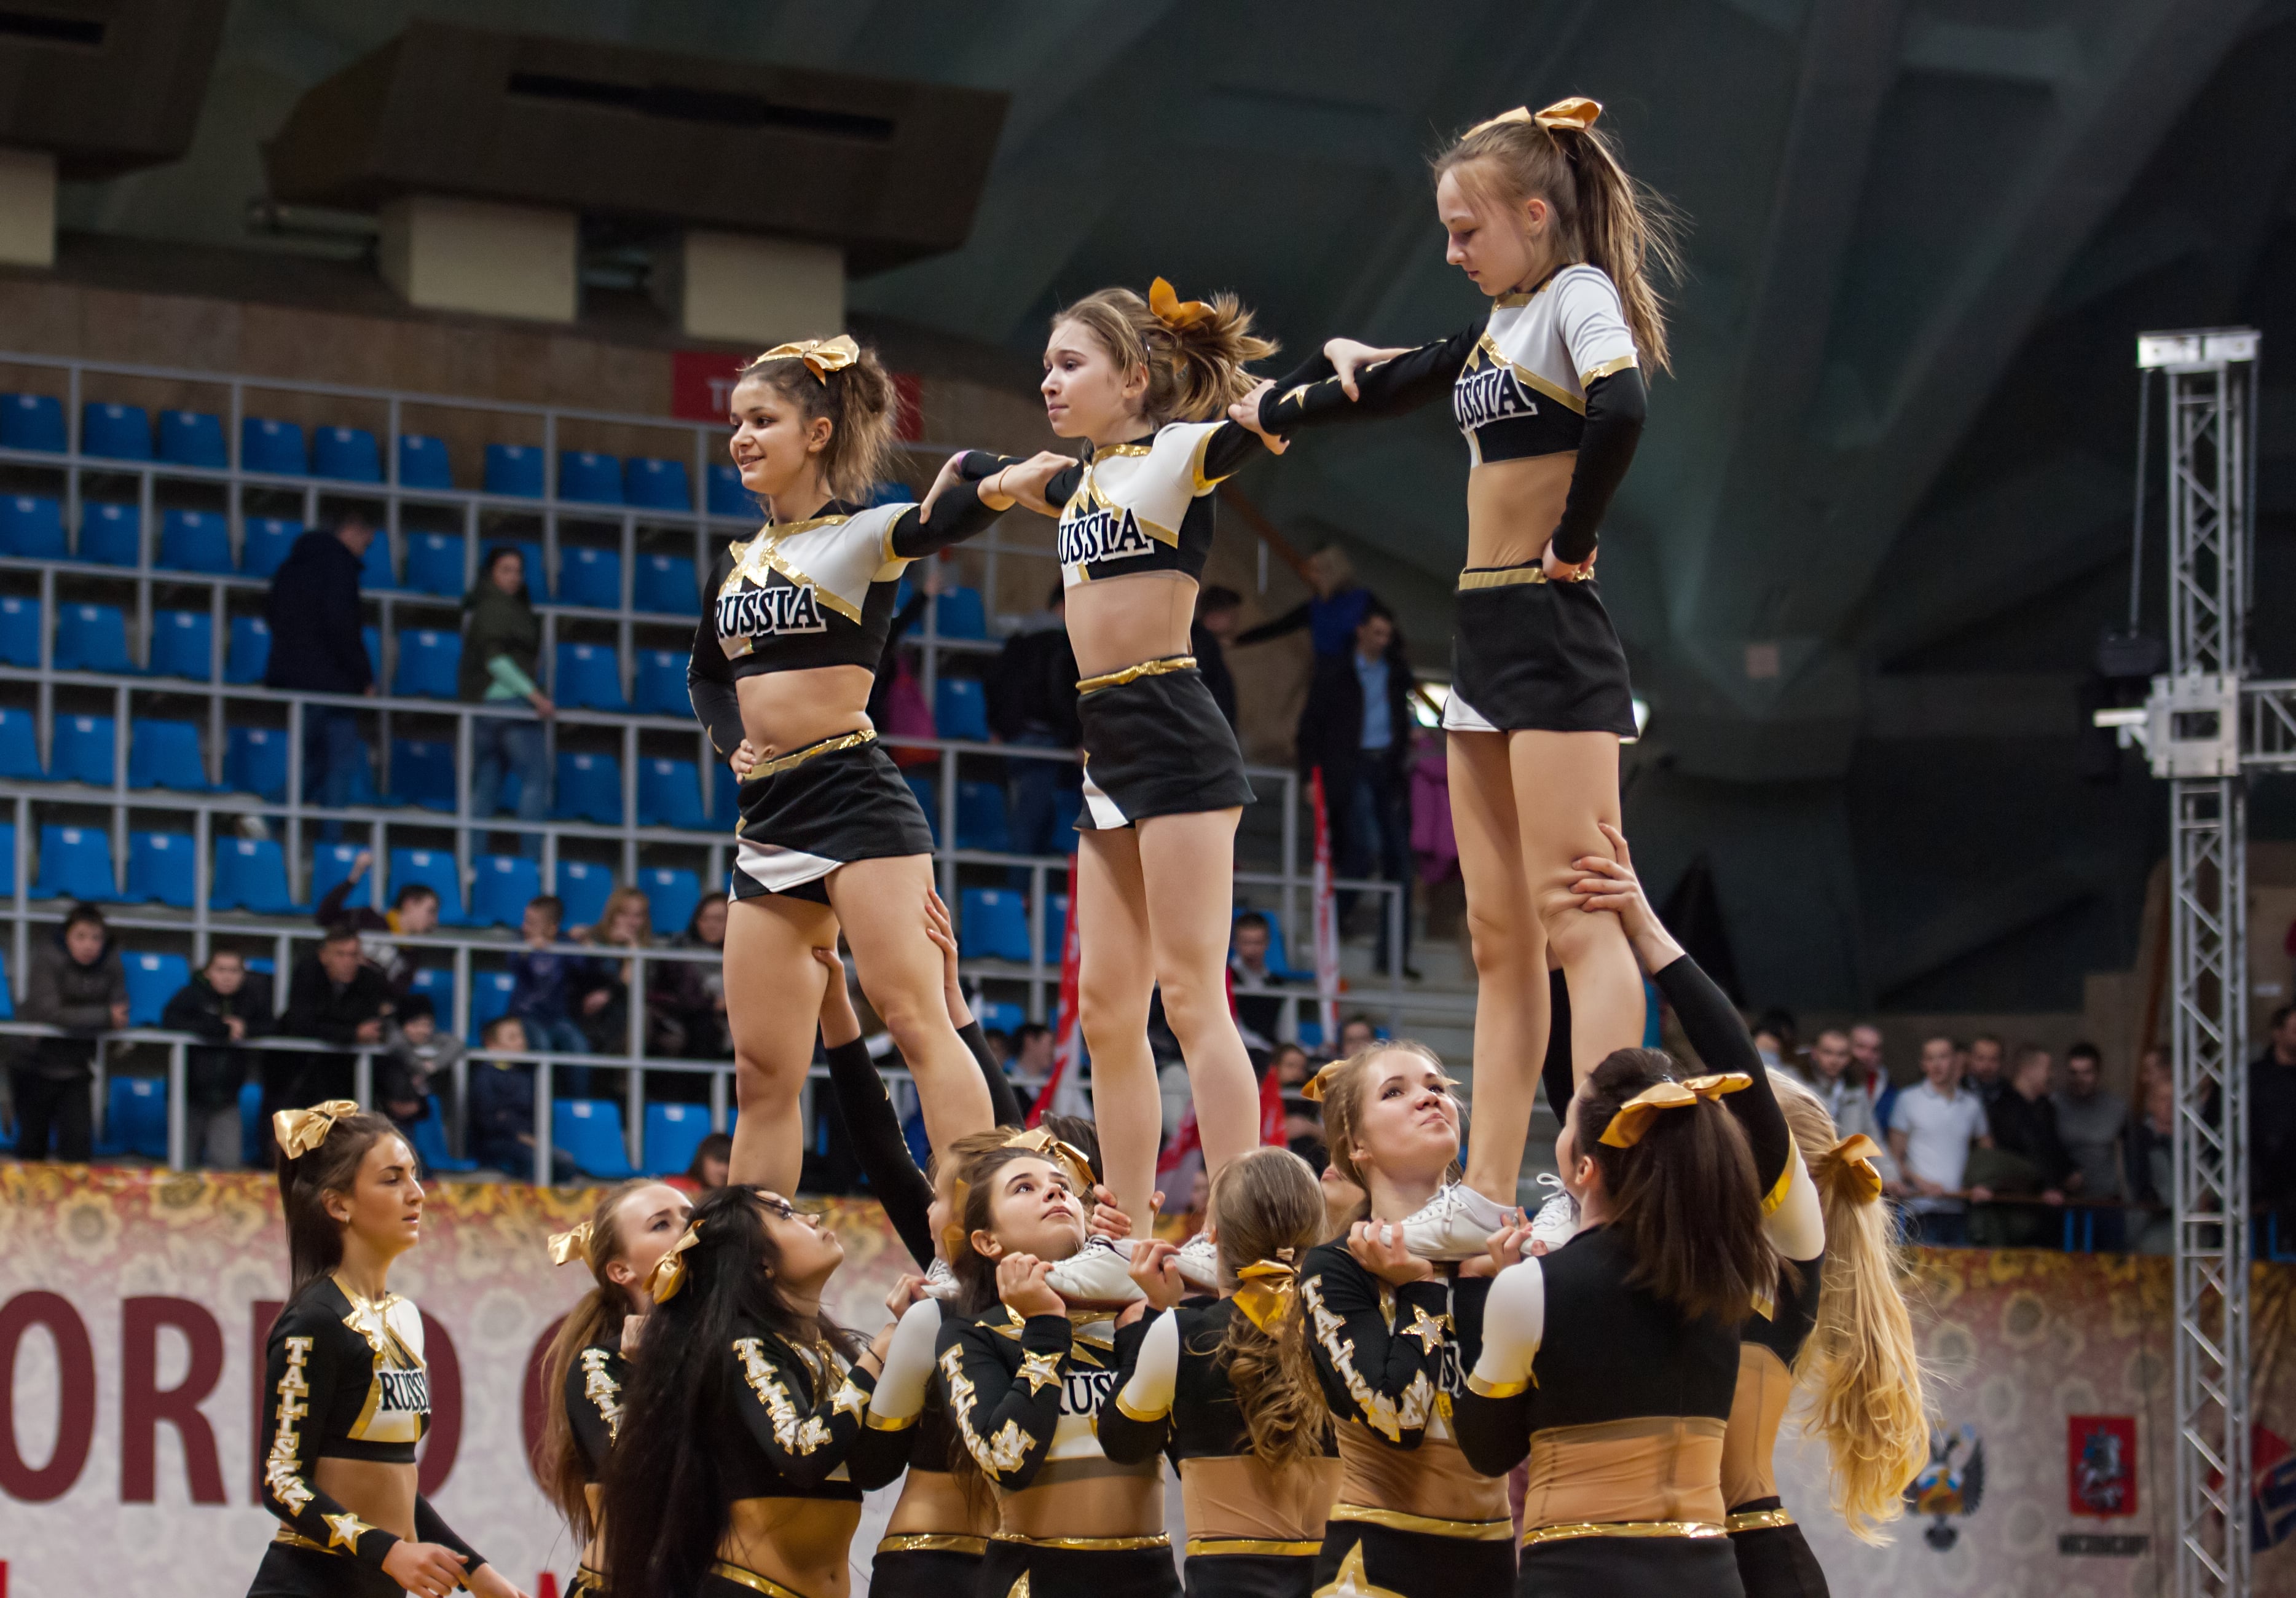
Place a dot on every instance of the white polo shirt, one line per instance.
(1938, 1130)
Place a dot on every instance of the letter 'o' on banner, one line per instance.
(76, 1388)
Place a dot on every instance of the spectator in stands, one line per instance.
(1932, 1127)
(335, 996)
(712, 1156)
(2272, 1123)
(1830, 1075)
(78, 982)
(2152, 1160)
(1259, 1010)
(1778, 1040)
(420, 1055)
(545, 985)
(1357, 726)
(896, 699)
(1032, 1059)
(1985, 1076)
(316, 648)
(221, 1004)
(687, 997)
(502, 639)
(1303, 1121)
(1032, 704)
(1218, 611)
(502, 1108)
(1330, 614)
(2027, 1158)
(1866, 1054)
(2093, 1124)
(1357, 1034)
(413, 913)
(604, 1008)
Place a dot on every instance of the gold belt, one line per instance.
(932, 1542)
(1203, 1546)
(1758, 1520)
(1537, 1535)
(752, 1580)
(1396, 1519)
(1133, 673)
(1507, 577)
(1088, 1544)
(827, 746)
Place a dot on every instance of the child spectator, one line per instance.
(419, 1054)
(502, 1108)
(544, 983)
(413, 913)
(77, 982)
(222, 1005)
(686, 998)
(711, 1157)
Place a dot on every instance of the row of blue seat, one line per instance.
(352, 454)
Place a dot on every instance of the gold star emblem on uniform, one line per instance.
(1039, 1371)
(1020, 1589)
(1427, 1328)
(1351, 1582)
(344, 1531)
(849, 1400)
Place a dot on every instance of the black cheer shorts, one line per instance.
(820, 807)
(290, 1571)
(1056, 1572)
(1631, 1568)
(1531, 655)
(1775, 1561)
(1156, 744)
(1249, 1575)
(1414, 1564)
(948, 1567)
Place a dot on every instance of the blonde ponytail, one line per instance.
(1194, 352)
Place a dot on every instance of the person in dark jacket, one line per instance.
(502, 1107)
(1217, 610)
(2028, 1158)
(414, 913)
(1356, 726)
(1032, 704)
(315, 648)
(1331, 615)
(337, 997)
(225, 1004)
(502, 639)
(77, 981)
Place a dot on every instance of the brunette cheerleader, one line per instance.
(627, 1233)
(1228, 1390)
(782, 662)
(1548, 390)
(744, 1446)
(346, 1395)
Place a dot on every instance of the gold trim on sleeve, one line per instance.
(1495, 1389)
(1200, 1546)
(1616, 364)
(1144, 1416)
(932, 1542)
(877, 1423)
(1567, 1529)
(1777, 1193)
(1396, 1519)
(1756, 1519)
(1133, 673)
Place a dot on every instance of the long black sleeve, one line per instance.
(866, 1110)
(1384, 1378)
(429, 1526)
(592, 1397)
(1714, 1028)
(1005, 1418)
(806, 1435)
(300, 1370)
(1312, 396)
(1003, 1103)
(1291, 621)
(1616, 406)
(709, 675)
(1557, 1075)
(957, 514)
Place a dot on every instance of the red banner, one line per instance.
(1327, 925)
(701, 381)
(2101, 1464)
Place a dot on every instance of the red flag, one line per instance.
(1327, 925)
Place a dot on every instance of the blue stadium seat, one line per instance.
(590, 788)
(250, 1121)
(490, 997)
(250, 873)
(117, 432)
(153, 979)
(423, 773)
(728, 497)
(665, 586)
(371, 640)
(961, 614)
(111, 534)
(584, 886)
(427, 660)
(136, 1107)
(192, 438)
(724, 795)
(673, 1134)
(268, 539)
(928, 792)
(501, 886)
(1068, 804)
(19, 630)
(32, 422)
(436, 869)
(348, 454)
(249, 651)
(672, 894)
(7, 997)
(994, 924)
(669, 794)
(588, 477)
(961, 709)
(162, 868)
(20, 746)
(589, 576)
(999, 1015)
(75, 863)
(429, 1137)
(92, 639)
(660, 686)
(80, 751)
(196, 541)
(273, 446)
(165, 754)
(514, 469)
(376, 572)
(980, 817)
(7, 889)
(437, 984)
(332, 863)
(182, 645)
(434, 563)
(32, 526)
(657, 485)
(255, 761)
(1056, 927)
(588, 678)
(590, 1132)
(422, 461)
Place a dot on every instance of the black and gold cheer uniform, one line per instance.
(811, 594)
(1774, 1557)
(343, 1377)
(1074, 1523)
(1154, 740)
(592, 1397)
(1552, 370)
(1413, 1517)
(935, 1537)
(1254, 1530)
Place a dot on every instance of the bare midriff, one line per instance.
(381, 1494)
(1087, 1499)
(931, 1503)
(782, 711)
(1512, 507)
(1119, 622)
(804, 1543)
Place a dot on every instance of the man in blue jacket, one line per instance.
(315, 648)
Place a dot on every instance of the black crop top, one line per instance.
(1200, 1417)
(592, 1397)
(802, 1430)
(1389, 1357)
(343, 1377)
(814, 592)
(1023, 1394)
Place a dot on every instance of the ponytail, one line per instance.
(846, 383)
(320, 1151)
(1194, 352)
(1268, 1209)
(558, 1462)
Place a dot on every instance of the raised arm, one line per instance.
(1387, 1379)
(1316, 393)
(1005, 1419)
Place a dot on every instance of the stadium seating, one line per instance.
(33, 422)
(980, 817)
(268, 541)
(423, 462)
(659, 686)
(346, 454)
(928, 792)
(7, 888)
(371, 639)
(92, 639)
(669, 794)
(332, 863)
(192, 438)
(255, 761)
(153, 979)
(434, 564)
(135, 1118)
(20, 746)
(422, 774)
(583, 887)
(117, 432)
(588, 678)
(960, 614)
(665, 586)
(672, 1136)
(490, 997)
(589, 478)
(250, 873)
(993, 924)
(437, 984)
(196, 541)
(657, 485)
(427, 660)
(182, 645)
(248, 651)
(728, 497)
(961, 709)
(429, 1137)
(272, 446)
(672, 896)
(589, 788)
(376, 571)
(32, 527)
(999, 1015)
(75, 863)
(163, 869)
(501, 885)
(435, 869)
(165, 754)
(514, 469)
(80, 749)
(589, 1131)
(1056, 927)
(589, 576)
(110, 534)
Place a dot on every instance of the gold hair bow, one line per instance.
(1173, 311)
(1635, 1116)
(1066, 1155)
(1315, 1086)
(1853, 1158)
(668, 1273)
(300, 1131)
(1577, 112)
(565, 1245)
(821, 356)
(1265, 1291)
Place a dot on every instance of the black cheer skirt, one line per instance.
(820, 807)
(925, 1567)
(1156, 744)
(1057, 1572)
(1359, 1556)
(1630, 1568)
(1533, 656)
(1775, 1561)
(291, 1571)
(1249, 1575)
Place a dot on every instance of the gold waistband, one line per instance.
(1396, 1519)
(1758, 1520)
(750, 1579)
(1133, 673)
(827, 746)
(1535, 1534)
(1088, 1544)
(1507, 577)
(1198, 1546)
(932, 1542)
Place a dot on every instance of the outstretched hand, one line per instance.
(839, 1024)
(1024, 483)
(1156, 1267)
(1609, 882)
(1245, 414)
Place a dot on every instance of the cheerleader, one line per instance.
(782, 662)
(744, 1448)
(1548, 390)
(1392, 1337)
(346, 1395)
(1228, 1388)
(628, 1232)
(1025, 1379)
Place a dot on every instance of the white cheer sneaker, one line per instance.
(940, 1281)
(1557, 1220)
(1199, 1262)
(1095, 1275)
(1455, 1224)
